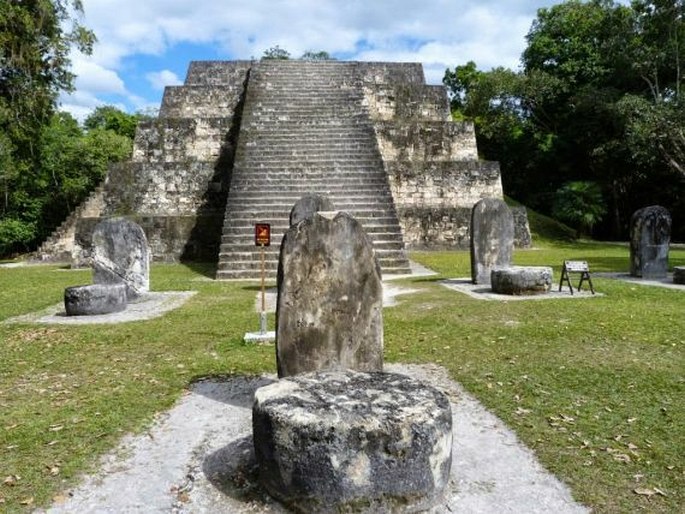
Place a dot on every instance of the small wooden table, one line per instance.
(576, 267)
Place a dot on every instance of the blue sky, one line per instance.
(144, 45)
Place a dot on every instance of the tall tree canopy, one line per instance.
(599, 100)
(36, 37)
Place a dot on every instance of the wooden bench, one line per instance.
(576, 267)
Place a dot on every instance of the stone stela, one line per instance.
(330, 298)
(492, 238)
(650, 238)
(121, 270)
(335, 433)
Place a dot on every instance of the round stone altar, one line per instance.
(348, 441)
(94, 299)
(521, 280)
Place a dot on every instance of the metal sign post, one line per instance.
(263, 239)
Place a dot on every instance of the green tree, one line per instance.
(310, 55)
(580, 204)
(73, 162)
(275, 53)
(109, 117)
(36, 37)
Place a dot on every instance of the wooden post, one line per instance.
(263, 279)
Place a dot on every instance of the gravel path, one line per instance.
(198, 458)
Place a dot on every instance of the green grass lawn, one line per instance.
(595, 386)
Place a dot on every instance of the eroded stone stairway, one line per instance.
(305, 129)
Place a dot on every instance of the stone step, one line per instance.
(245, 235)
(252, 260)
(258, 214)
(279, 193)
(296, 191)
(245, 251)
(296, 146)
(285, 205)
(314, 179)
(240, 271)
(242, 227)
(283, 144)
(321, 132)
(305, 129)
(329, 169)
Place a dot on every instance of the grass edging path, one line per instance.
(594, 387)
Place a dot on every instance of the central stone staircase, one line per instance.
(305, 129)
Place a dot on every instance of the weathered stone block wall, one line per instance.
(426, 141)
(164, 188)
(170, 237)
(390, 72)
(447, 228)
(200, 101)
(443, 183)
(522, 235)
(176, 139)
(217, 72)
(428, 228)
(406, 101)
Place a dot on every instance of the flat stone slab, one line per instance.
(668, 282)
(521, 280)
(148, 306)
(260, 337)
(348, 441)
(484, 292)
(93, 299)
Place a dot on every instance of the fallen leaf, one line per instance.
(648, 492)
(622, 457)
(54, 470)
(56, 428)
(59, 498)
(11, 480)
(26, 501)
(521, 411)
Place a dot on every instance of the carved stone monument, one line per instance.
(309, 204)
(94, 299)
(347, 441)
(521, 280)
(650, 237)
(329, 310)
(121, 255)
(492, 238)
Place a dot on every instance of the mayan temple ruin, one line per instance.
(241, 141)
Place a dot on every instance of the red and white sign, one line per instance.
(262, 234)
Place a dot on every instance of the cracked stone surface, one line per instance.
(347, 440)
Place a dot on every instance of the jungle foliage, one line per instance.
(599, 99)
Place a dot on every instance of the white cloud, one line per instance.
(92, 77)
(438, 33)
(160, 79)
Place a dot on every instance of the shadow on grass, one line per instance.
(258, 288)
(207, 269)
